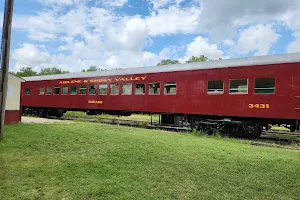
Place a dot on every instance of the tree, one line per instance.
(198, 59)
(168, 62)
(54, 70)
(93, 69)
(26, 71)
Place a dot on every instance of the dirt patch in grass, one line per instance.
(30, 120)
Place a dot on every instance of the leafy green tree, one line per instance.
(92, 69)
(198, 59)
(168, 62)
(26, 71)
(50, 71)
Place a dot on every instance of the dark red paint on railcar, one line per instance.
(12, 116)
(191, 96)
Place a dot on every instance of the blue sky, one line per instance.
(75, 34)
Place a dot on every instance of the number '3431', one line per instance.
(259, 106)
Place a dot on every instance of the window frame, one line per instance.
(26, 91)
(62, 90)
(111, 88)
(134, 92)
(95, 89)
(75, 90)
(47, 90)
(43, 90)
(216, 93)
(165, 92)
(122, 88)
(106, 91)
(239, 93)
(254, 88)
(58, 90)
(158, 87)
(85, 86)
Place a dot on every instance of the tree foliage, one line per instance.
(54, 70)
(168, 62)
(26, 71)
(93, 69)
(201, 58)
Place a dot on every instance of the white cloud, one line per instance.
(222, 18)
(114, 3)
(32, 54)
(157, 4)
(202, 46)
(42, 27)
(91, 35)
(56, 2)
(82, 57)
(74, 22)
(228, 42)
(294, 46)
(258, 38)
(173, 20)
(128, 34)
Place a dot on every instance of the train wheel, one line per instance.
(252, 130)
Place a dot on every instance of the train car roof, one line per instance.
(236, 62)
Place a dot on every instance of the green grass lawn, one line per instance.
(136, 117)
(99, 161)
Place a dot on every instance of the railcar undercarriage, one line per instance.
(237, 127)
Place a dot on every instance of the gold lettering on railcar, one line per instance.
(259, 106)
(70, 82)
(105, 80)
(95, 102)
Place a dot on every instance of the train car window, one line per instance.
(264, 86)
(27, 92)
(139, 88)
(215, 87)
(82, 89)
(238, 86)
(154, 88)
(42, 91)
(64, 90)
(92, 89)
(73, 90)
(114, 88)
(103, 89)
(56, 90)
(170, 88)
(49, 91)
(126, 88)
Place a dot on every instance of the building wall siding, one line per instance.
(13, 93)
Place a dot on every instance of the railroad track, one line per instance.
(280, 137)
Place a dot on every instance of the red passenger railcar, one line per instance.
(257, 90)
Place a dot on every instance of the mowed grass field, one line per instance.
(99, 161)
